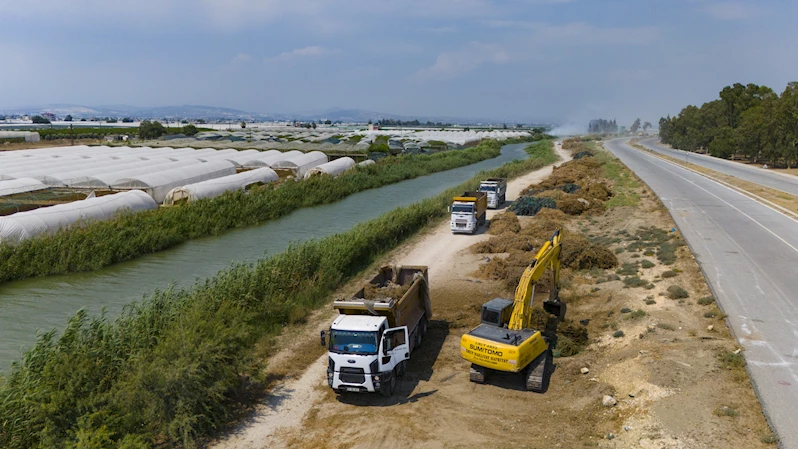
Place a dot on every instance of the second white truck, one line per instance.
(496, 189)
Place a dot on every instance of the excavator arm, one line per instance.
(547, 256)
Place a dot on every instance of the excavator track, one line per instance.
(477, 374)
(536, 373)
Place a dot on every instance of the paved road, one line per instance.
(749, 254)
(779, 181)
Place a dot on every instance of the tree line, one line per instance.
(750, 121)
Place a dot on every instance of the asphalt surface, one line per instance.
(749, 255)
(768, 178)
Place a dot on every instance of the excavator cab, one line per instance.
(497, 312)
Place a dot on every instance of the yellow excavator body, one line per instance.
(502, 356)
(505, 340)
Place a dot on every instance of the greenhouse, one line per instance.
(103, 179)
(297, 166)
(21, 185)
(366, 163)
(160, 183)
(333, 168)
(216, 187)
(47, 220)
(271, 157)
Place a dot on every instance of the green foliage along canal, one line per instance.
(42, 304)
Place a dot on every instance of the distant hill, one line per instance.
(213, 113)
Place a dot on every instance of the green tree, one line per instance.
(646, 126)
(243, 125)
(38, 119)
(190, 130)
(151, 130)
(635, 126)
(787, 120)
(68, 118)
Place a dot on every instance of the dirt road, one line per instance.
(289, 403)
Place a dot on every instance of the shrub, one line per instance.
(666, 326)
(647, 264)
(706, 300)
(626, 310)
(637, 314)
(668, 274)
(731, 360)
(627, 269)
(634, 282)
(676, 292)
(618, 334)
(650, 302)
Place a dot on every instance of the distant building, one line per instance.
(374, 127)
(49, 115)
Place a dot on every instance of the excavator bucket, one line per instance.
(555, 308)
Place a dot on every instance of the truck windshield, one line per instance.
(352, 342)
(487, 188)
(462, 208)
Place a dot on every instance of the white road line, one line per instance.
(724, 201)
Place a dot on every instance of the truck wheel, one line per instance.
(401, 369)
(389, 387)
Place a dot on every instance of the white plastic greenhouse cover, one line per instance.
(159, 184)
(334, 168)
(47, 220)
(103, 179)
(367, 162)
(21, 185)
(273, 156)
(299, 165)
(215, 187)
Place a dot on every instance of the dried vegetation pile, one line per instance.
(575, 187)
(389, 291)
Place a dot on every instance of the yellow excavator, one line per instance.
(504, 340)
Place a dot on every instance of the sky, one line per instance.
(561, 61)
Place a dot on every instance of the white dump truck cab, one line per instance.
(464, 217)
(365, 355)
(496, 189)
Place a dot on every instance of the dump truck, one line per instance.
(468, 212)
(370, 342)
(496, 189)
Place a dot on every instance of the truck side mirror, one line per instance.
(323, 338)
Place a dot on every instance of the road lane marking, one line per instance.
(721, 199)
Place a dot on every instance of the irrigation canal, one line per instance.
(42, 304)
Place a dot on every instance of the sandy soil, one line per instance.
(664, 372)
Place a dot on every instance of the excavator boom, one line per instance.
(548, 255)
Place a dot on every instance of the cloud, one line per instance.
(242, 58)
(579, 32)
(301, 53)
(466, 59)
(729, 11)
